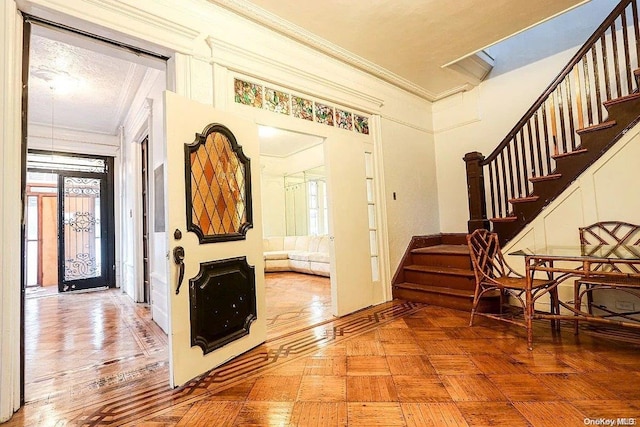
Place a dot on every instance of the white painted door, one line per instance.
(212, 270)
(352, 287)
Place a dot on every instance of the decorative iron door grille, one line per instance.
(83, 232)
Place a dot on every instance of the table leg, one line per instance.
(577, 305)
(529, 304)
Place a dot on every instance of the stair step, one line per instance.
(568, 154)
(454, 256)
(524, 199)
(435, 269)
(545, 177)
(504, 219)
(445, 297)
(464, 293)
(604, 125)
(622, 99)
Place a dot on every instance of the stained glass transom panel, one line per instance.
(361, 124)
(324, 114)
(218, 193)
(248, 93)
(344, 119)
(302, 108)
(277, 101)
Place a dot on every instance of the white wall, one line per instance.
(409, 173)
(479, 119)
(145, 117)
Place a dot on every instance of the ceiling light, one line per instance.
(60, 82)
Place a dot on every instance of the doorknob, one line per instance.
(178, 258)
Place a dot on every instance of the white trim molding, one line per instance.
(117, 15)
(10, 206)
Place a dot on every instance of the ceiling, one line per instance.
(282, 143)
(79, 84)
(405, 42)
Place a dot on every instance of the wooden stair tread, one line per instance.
(435, 269)
(545, 177)
(570, 153)
(622, 99)
(504, 219)
(443, 250)
(464, 293)
(524, 199)
(604, 125)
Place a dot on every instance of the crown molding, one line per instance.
(236, 59)
(274, 22)
(120, 15)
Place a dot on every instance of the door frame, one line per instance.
(109, 177)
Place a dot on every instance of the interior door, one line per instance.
(348, 225)
(83, 231)
(214, 237)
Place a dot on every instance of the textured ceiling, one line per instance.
(407, 39)
(78, 86)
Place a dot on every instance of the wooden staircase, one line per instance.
(585, 110)
(437, 270)
(623, 113)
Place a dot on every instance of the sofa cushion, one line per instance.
(323, 245)
(289, 243)
(273, 244)
(314, 241)
(276, 255)
(319, 257)
(277, 265)
(299, 255)
(302, 243)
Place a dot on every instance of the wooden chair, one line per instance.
(492, 274)
(604, 239)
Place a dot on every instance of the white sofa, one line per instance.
(303, 254)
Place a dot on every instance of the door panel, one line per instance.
(83, 231)
(211, 270)
(348, 225)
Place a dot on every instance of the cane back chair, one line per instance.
(605, 239)
(492, 273)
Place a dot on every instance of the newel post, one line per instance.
(475, 191)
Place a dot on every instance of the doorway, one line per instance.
(70, 222)
(77, 115)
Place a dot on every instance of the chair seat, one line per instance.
(520, 282)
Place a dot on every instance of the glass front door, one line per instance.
(82, 231)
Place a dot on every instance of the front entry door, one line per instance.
(216, 267)
(83, 228)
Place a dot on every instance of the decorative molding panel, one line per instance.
(223, 302)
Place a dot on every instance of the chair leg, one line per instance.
(577, 305)
(474, 306)
(555, 300)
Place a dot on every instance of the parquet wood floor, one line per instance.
(395, 364)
